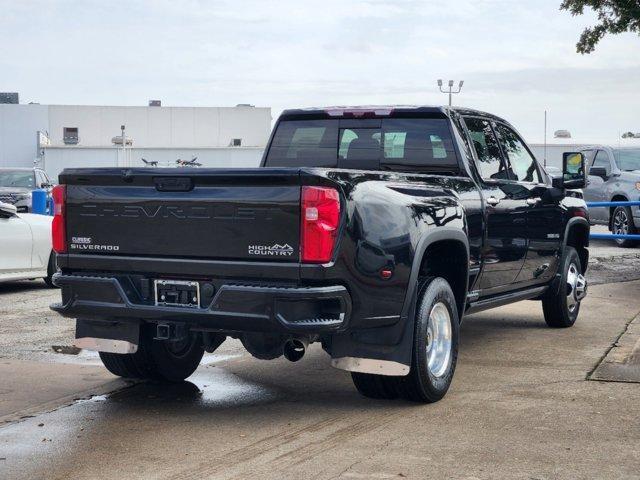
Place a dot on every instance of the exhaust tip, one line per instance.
(294, 349)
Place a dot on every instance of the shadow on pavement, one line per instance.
(23, 286)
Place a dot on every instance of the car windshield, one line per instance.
(17, 178)
(627, 159)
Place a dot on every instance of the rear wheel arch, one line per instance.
(402, 352)
(443, 253)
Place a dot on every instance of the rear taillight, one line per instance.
(58, 228)
(320, 217)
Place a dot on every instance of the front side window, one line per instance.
(602, 160)
(490, 164)
(627, 159)
(589, 156)
(523, 165)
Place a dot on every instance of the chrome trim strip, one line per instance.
(370, 365)
(106, 345)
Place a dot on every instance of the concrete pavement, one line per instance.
(520, 407)
(29, 388)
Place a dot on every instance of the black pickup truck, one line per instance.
(371, 230)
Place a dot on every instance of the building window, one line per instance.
(70, 135)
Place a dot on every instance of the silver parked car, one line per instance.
(614, 175)
(16, 185)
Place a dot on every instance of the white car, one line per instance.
(25, 246)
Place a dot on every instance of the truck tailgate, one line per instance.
(189, 213)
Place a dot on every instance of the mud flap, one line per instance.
(107, 336)
(382, 351)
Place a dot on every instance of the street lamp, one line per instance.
(450, 91)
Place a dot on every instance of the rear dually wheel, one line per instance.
(435, 350)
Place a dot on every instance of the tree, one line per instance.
(614, 16)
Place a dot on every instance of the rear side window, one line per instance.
(410, 144)
(627, 159)
(485, 143)
(418, 144)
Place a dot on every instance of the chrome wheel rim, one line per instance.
(576, 287)
(620, 223)
(439, 335)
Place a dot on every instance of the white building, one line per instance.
(82, 136)
(555, 147)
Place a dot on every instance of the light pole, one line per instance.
(451, 91)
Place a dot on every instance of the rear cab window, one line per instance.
(304, 143)
(399, 144)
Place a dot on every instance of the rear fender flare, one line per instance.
(400, 352)
(411, 298)
(442, 233)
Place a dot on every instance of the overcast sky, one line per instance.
(517, 57)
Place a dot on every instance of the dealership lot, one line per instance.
(521, 405)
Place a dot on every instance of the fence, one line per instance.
(613, 236)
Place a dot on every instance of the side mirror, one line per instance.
(599, 172)
(574, 172)
(7, 210)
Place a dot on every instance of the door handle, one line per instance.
(493, 201)
(533, 201)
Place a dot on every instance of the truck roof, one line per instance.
(593, 146)
(375, 111)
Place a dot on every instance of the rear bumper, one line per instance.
(234, 308)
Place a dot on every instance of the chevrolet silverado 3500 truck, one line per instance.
(371, 230)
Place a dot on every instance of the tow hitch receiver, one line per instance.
(173, 332)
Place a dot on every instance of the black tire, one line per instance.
(421, 385)
(555, 304)
(51, 269)
(375, 386)
(622, 223)
(133, 365)
(157, 360)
